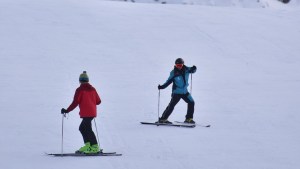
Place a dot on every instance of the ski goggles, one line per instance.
(179, 66)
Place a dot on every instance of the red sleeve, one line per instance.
(75, 103)
(98, 100)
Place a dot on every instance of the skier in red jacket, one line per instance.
(87, 98)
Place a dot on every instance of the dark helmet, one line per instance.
(179, 61)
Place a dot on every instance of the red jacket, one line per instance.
(87, 98)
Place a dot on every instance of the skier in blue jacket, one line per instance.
(179, 76)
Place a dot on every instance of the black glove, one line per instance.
(193, 68)
(64, 111)
(159, 87)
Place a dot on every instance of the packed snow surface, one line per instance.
(247, 86)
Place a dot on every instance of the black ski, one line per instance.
(179, 122)
(166, 124)
(83, 155)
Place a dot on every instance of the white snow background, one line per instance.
(247, 85)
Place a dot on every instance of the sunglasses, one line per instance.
(179, 65)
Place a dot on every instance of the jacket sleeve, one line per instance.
(98, 100)
(75, 102)
(169, 81)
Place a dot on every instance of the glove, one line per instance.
(159, 87)
(64, 111)
(193, 68)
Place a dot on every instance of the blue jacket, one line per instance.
(180, 79)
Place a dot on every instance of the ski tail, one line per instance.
(201, 125)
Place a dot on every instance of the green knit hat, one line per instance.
(83, 77)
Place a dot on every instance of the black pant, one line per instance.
(85, 129)
(175, 99)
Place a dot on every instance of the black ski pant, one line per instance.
(86, 130)
(174, 100)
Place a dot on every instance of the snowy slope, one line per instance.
(246, 86)
(226, 3)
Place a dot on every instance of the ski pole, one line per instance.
(158, 103)
(97, 132)
(191, 83)
(62, 134)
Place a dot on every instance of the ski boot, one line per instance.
(165, 121)
(189, 121)
(84, 148)
(94, 149)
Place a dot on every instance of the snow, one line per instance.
(226, 3)
(246, 85)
